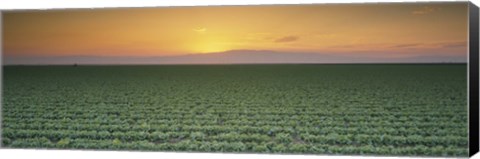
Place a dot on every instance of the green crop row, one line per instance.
(315, 109)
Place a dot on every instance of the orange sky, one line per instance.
(387, 30)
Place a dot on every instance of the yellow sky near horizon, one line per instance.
(390, 30)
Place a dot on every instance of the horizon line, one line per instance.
(358, 63)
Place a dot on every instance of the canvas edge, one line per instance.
(473, 69)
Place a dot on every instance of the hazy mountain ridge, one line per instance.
(230, 57)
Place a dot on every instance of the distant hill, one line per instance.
(230, 57)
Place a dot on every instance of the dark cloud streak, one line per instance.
(286, 39)
(455, 44)
(425, 10)
(406, 45)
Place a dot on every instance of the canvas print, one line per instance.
(379, 79)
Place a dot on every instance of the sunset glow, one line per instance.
(369, 30)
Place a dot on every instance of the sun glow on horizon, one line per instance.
(205, 42)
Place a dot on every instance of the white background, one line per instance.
(53, 154)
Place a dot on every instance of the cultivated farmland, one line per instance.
(377, 109)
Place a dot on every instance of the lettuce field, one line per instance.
(348, 109)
